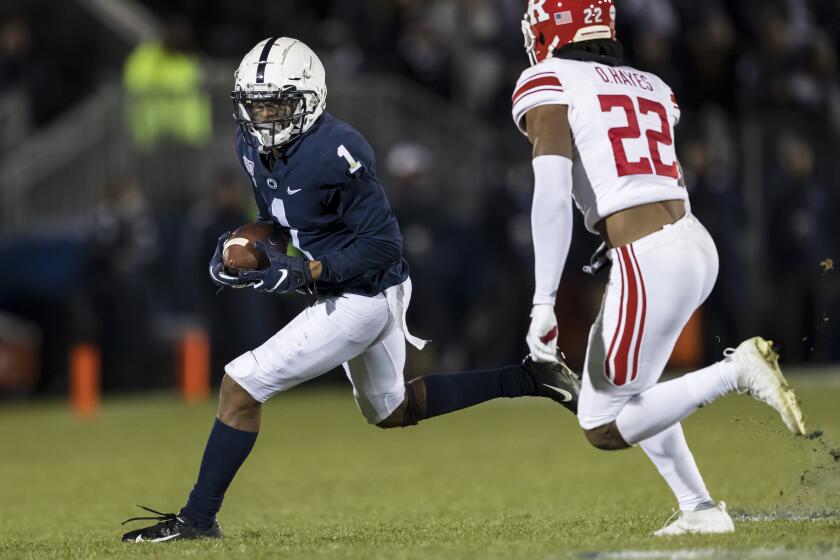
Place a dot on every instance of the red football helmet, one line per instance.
(551, 24)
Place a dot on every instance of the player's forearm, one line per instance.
(363, 255)
(551, 224)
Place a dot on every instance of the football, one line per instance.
(239, 252)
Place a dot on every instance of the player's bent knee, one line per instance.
(606, 437)
(393, 421)
(411, 410)
(235, 401)
(234, 393)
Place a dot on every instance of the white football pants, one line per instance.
(364, 334)
(654, 287)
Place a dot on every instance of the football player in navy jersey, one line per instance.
(315, 175)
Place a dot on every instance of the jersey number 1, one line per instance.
(630, 132)
(343, 152)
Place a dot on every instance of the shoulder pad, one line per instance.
(347, 153)
(542, 84)
(674, 111)
(541, 77)
(243, 153)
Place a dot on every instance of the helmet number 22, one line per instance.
(655, 138)
(345, 153)
(593, 15)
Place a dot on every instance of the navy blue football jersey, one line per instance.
(323, 188)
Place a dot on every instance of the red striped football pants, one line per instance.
(655, 285)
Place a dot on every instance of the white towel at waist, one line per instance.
(399, 297)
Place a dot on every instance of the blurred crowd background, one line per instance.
(118, 173)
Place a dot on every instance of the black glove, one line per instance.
(283, 274)
(218, 274)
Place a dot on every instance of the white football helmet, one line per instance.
(279, 91)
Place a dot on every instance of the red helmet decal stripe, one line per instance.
(546, 80)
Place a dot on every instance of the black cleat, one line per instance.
(171, 527)
(555, 381)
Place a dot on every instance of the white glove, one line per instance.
(542, 335)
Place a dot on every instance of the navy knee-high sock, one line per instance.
(447, 392)
(225, 452)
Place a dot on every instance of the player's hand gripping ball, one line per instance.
(237, 253)
(283, 274)
(240, 253)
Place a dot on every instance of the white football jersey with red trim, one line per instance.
(622, 122)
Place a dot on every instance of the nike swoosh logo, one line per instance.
(283, 274)
(163, 539)
(290, 190)
(567, 396)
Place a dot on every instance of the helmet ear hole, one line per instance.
(541, 38)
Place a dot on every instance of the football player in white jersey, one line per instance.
(603, 136)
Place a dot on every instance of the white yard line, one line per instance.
(763, 516)
(700, 553)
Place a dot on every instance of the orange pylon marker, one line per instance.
(84, 379)
(195, 365)
(688, 351)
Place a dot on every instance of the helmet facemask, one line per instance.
(272, 118)
(530, 40)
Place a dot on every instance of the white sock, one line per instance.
(665, 404)
(669, 451)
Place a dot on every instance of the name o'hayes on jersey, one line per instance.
(623, 77)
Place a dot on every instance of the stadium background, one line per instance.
(117, 173)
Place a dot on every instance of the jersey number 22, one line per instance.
(631, 132)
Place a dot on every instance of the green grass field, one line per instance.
(512, 479)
